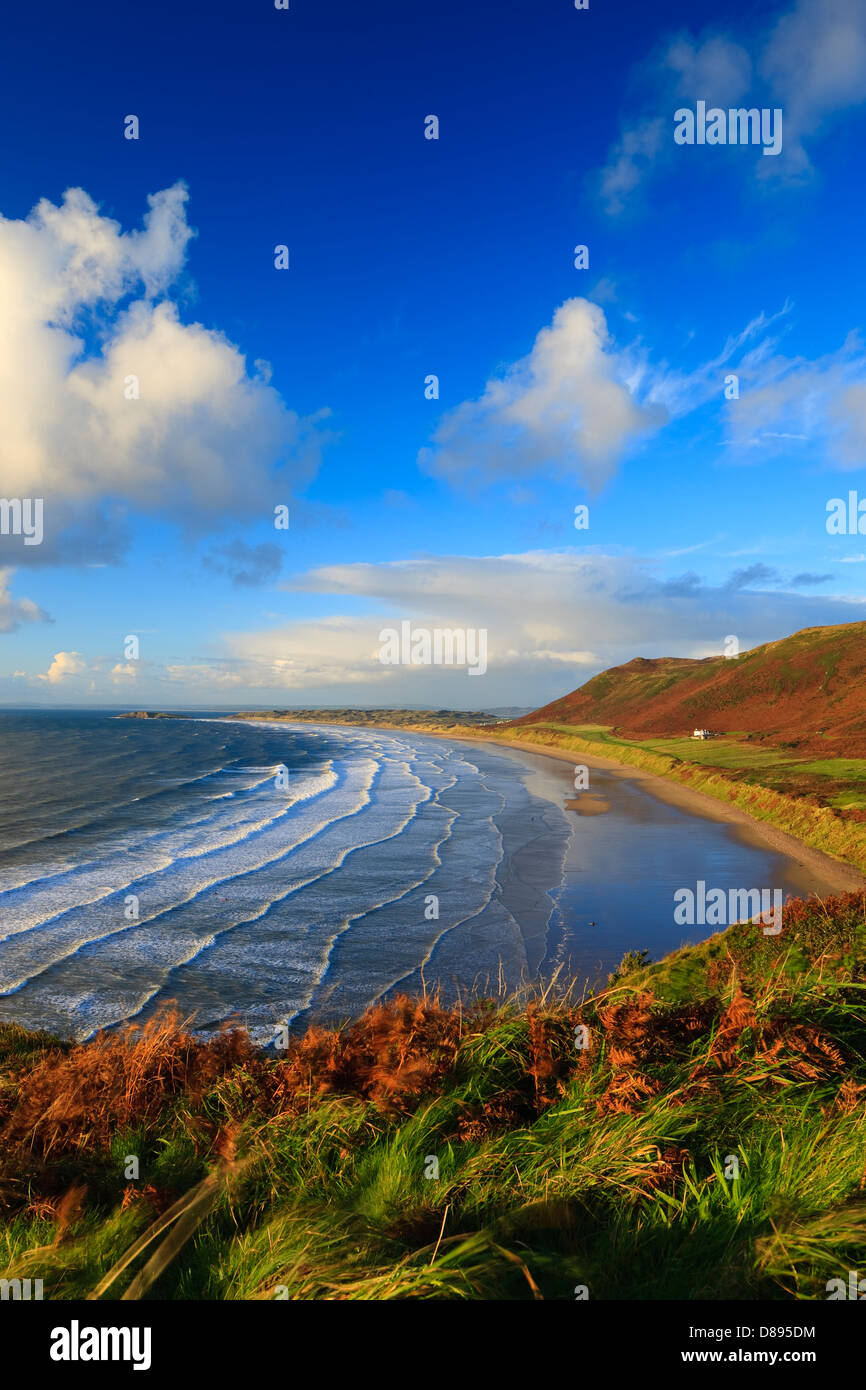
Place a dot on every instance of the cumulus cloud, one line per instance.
(110, 401)
(124, 671)
(101, 674)
(566, 407)
(64, 665)
(577, 403)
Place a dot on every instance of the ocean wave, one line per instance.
(268, 909)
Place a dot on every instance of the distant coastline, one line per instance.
(149, 714)
(416, 720)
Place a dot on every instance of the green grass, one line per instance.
(849, 769)
(717, 752)
(549, 1176)
(724, 752)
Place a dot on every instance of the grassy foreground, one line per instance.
(695, 1131)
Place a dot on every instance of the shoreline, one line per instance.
(840, 877)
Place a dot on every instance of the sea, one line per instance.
(276, 874)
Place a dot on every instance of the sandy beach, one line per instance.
(839, 877)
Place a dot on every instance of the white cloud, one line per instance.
(680, 392)
(14, 612)
(716, 69)
(64, 665)
(73, 257)
(848, 412)
(81, 315)
(577, 403)
(301, 656)
(815, 61)
(565, 407)
(577, 613)
(819, 403)
(783, 401)
(629, 161)
(811, 63)
(124, 671)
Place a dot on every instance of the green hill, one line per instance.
(807, 692)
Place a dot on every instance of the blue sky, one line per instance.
(410, 257)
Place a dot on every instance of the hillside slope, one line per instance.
(806, 691)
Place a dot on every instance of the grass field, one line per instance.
(695, 1131)
(715, 752)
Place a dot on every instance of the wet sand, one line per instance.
(588, 805)
(835, 875)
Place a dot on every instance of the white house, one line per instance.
(701, 733)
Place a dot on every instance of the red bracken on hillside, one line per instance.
(806, 691)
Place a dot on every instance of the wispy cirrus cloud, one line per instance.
(787, 402)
